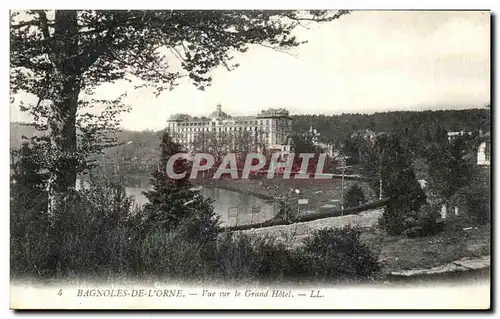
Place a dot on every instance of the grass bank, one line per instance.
(458, 240)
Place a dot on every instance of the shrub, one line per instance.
(276, 262)
(89, 232)
(236, 259)
(354, 196)
(29, 224)
(474, 201)
(393, 218)
(247, 258)
(87, 235)
(29, 242)
(338, 254)
(287, 209)
(425, 222)
(171, 255)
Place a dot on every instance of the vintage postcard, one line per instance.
(250, 159)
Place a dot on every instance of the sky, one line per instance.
(365, 62)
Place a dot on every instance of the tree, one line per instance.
(400, 185)
(373, 161)
(449, 168)
(303, 143)
(172, 201)
(215, 143)
(59, 55)
(355, 196)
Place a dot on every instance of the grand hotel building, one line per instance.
(271, 126)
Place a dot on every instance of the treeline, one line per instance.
(134, 157)
(337, 128)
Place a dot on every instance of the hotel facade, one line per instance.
(269, 130)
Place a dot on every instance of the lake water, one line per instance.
(233, 207)
(236, 208)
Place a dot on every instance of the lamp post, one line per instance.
(343, 167)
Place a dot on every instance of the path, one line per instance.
(293, 234)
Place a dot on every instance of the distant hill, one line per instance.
(136, 157)
(17, 131)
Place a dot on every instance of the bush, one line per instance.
(98, 235)
(399, 208)
(235, 258)
(89, 231)
(287, 209)
(338, 254)
(171, 255)
(276, 261)
(393, 218)
(29, 243)
(474, 201)
(425, 222)
(87, 235)
(354, 196)
(29, 224)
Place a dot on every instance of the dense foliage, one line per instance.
(336, 254)
(354, 196)
(421, 125)
(103, 235)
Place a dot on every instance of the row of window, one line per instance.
(256, 122)
(222, 129)
(189, 137)
(262, 135)
(184, 135)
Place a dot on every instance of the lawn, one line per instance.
(396, 253)
(453, 243)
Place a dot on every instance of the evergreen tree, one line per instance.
(401, 186)
(173, 202)
(449, 168)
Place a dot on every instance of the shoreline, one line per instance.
(233, 189)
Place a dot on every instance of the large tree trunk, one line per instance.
(62, 113)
